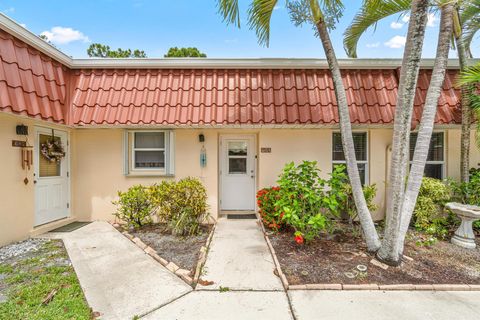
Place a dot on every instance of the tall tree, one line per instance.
(190, 52)
(402, 191)
(466, 24)
(470, 77)
(322, 15)
(99, 50)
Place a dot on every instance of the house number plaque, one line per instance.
(266, 150)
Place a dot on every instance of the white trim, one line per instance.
(12, 27)
(221, 160)
(444, 145)
(366, 162)
(39, 129)
(132, 167)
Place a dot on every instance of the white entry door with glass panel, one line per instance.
(50, 177)
(237, 173)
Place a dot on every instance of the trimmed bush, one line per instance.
(429, 214)
(135, 206)
(181, 205)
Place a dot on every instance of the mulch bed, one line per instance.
(183, 251)
(334, 259)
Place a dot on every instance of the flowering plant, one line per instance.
(271, 217)
(52, 150)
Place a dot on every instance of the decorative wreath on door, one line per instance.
(52, 149)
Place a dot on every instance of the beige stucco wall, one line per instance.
(17, 199)
(97, 166)
(316, 145)
(99, 171)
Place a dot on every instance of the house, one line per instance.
(233, 123)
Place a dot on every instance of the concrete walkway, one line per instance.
(119, 280)
(385, 305)
(233, 305)
(239, 258)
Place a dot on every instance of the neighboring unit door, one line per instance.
(237, 172)
(51, 179)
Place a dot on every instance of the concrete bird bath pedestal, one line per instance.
(464, 236)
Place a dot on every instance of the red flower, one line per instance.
(299, 239)
(281, 215)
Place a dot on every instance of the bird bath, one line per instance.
(464, 236)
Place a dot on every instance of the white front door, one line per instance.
(51, 179)
(237, 172)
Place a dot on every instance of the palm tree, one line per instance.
(466, 24)
(468, 18)
(403, 192)
(322, 14)
(470, 77)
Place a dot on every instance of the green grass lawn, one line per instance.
(31, 279)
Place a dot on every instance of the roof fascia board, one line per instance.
(250, 63)
(12, 27)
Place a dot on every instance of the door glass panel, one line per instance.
(47, 168)
(237, 148)
(237, 165)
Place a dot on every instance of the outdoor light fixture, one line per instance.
(201, 137)
(22, 130)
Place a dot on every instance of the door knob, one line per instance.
(34, 181)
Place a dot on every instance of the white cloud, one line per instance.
(432, 19)
(373, 45)
(23, 25)
(63, 35)
(277, 7)
(405, 18)
(9, 10)
(396, 42)
(396, 25)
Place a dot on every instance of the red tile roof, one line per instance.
(31, 83)
(216, 96)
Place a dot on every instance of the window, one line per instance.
(237, 157)
(149, 151)
(361, 152)
(434, 168)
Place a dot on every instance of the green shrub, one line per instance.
(429, 215)
(347, 203)
(135, 206)
(302, 200)
(181, 205)
(266, 199)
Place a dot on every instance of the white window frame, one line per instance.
(129, 152)
(444, 162)
(366, 162)
(133, 167)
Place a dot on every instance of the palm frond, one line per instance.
(228, 9)
(259, 15)
(470, 19)
(372, 11)
(471, 76)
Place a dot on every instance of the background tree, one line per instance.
(322, 16)
(404, 185)
(99, 50)
(190, 52)
(471, 77)
(466, 25)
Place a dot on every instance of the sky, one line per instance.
(156, 25)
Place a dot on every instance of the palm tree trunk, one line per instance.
(466, 114)
(369, 231)
(427, 122)
(388, 252)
